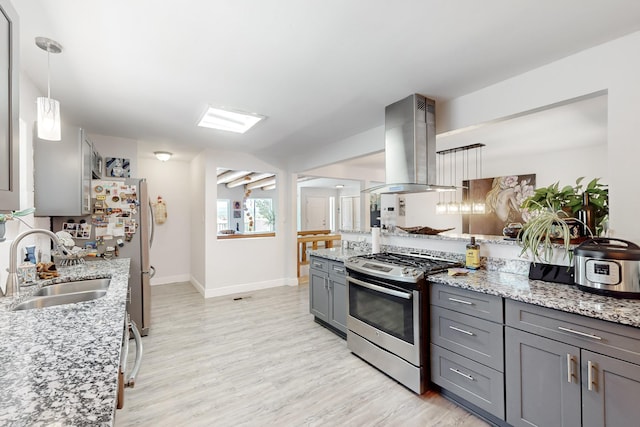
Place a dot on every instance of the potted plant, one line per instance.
(545, 227)
(549, 218)
(13, 215)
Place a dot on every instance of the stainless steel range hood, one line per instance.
(410, 147)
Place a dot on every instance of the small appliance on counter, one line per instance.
(608, 266)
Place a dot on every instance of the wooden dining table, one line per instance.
(314, 237)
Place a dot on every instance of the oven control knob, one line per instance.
(406, 272)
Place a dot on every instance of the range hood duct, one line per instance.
(410, 147)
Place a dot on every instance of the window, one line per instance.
(261, 214)
(223, 214)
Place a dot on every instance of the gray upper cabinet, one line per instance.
(9, 108)
(63, 173)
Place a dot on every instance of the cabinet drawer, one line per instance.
(479, 384)
(477, 304)
(479, 340)
(320, 264)
(619, 341)
(337, 271)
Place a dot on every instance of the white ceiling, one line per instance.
(320, 70)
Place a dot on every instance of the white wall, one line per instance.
(197, 239)
(563, 166)
(238, 265)
(171, 251)
(28, 95)
(111, 146)
(613, 67)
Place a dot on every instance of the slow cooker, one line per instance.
(608, 266)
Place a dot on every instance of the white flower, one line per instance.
(509, 181)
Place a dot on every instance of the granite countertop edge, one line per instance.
(567, 298)
(60, 364)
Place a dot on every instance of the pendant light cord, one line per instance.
(48, 73)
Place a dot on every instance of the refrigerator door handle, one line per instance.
(152, 271)
(153, 224)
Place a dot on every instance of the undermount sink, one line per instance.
(75, 286)
(53, 300)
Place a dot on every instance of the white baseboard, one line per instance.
(197, 285)
(171, 279)
(247, 287)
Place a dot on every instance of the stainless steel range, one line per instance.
(388, 314)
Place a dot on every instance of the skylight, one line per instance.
(230, 120)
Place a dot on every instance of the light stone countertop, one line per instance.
(519, 287)
(60, 364)
(336, 254)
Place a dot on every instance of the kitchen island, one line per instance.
(60, 364)
(519, 287)
(498, 338)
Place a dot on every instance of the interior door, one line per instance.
(316, 213)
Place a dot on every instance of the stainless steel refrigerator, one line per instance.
(141, 271)
(136, 246)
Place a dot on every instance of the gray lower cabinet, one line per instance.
(563, 369)
(542, 381)
(467, 347)
(328, 292)
(338, 294)
(610, 391)
(318, 292)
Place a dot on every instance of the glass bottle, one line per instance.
(587, 217)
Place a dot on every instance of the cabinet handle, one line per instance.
(461, 330)
(460, 301)
(582, 334)
(462, 374)
(590, 379)
(338, 269)
(317, 265)
(570, 374)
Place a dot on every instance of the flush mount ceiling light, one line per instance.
(48, 109)
(229, 120)
(163, 156)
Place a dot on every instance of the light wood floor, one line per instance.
(263, 361)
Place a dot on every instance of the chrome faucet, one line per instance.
(13, 285)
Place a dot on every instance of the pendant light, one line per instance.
(467, 206)
(48, 108)
(478, 207)
(441, 206)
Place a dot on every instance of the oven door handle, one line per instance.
(381, 289)
(131, 381)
